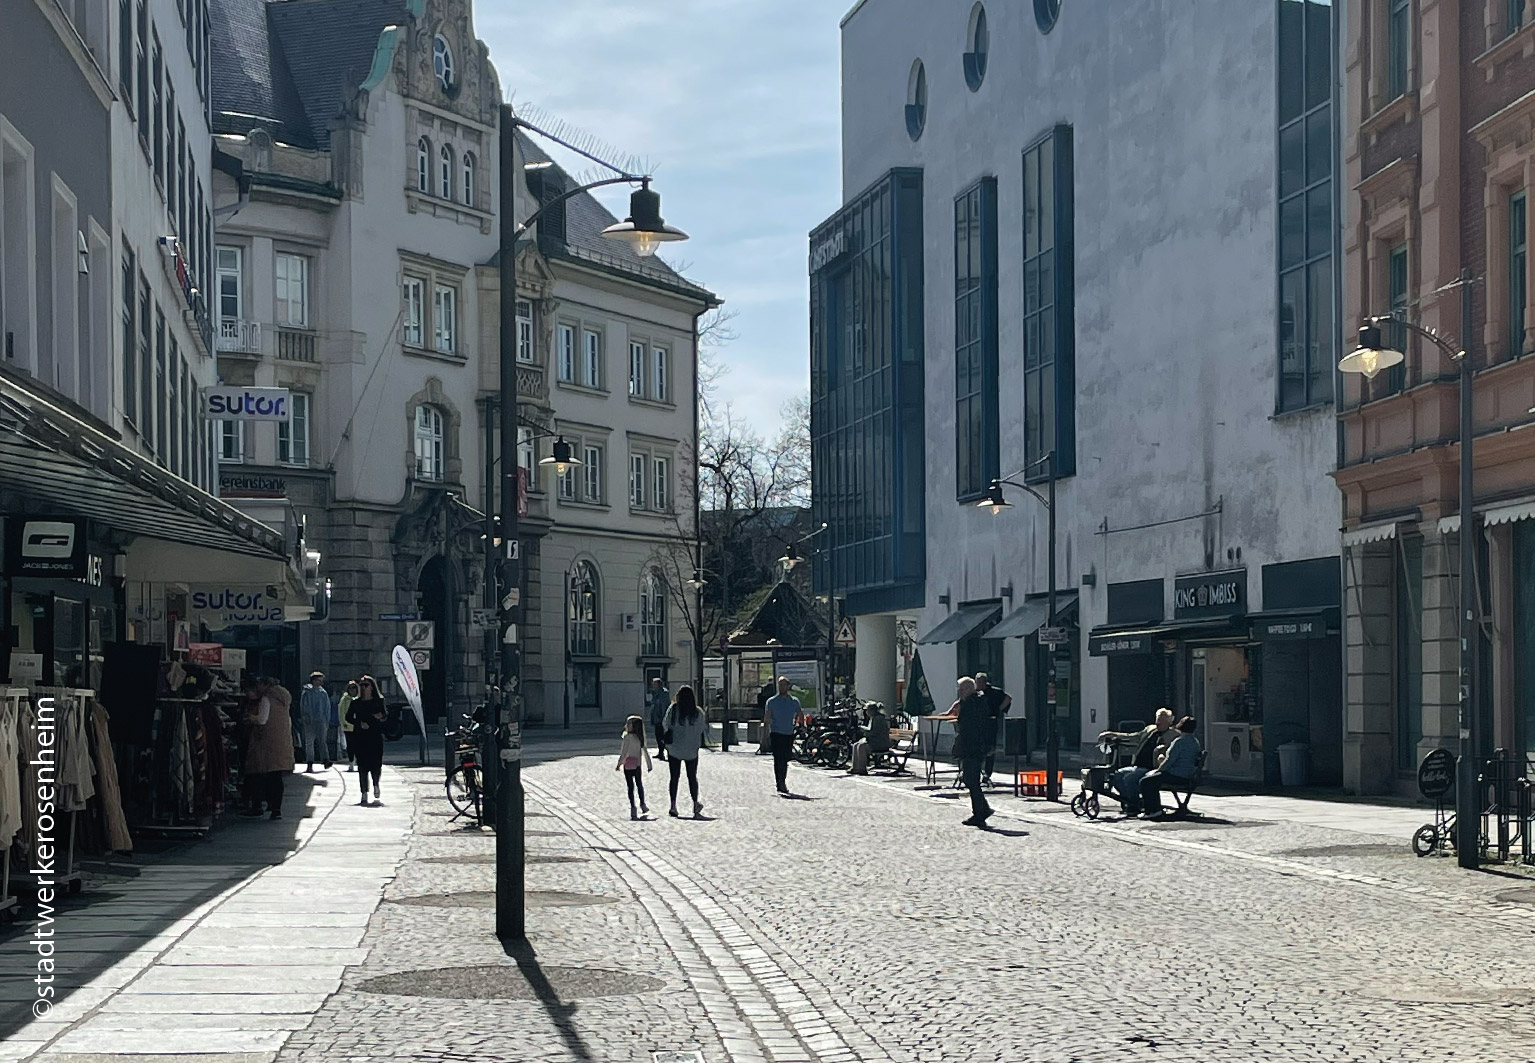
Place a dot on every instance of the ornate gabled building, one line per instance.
(361, 272)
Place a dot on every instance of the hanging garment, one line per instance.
(216, 756)
(75, 768)
(10, 772)
(27, 734)
(107, 790)
(183, 780)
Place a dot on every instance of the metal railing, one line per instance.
(294, 345)
(238, 337)
(1507, 797)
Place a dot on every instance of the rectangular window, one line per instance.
(171, 150)
(141, 58)
(146, 353)
(414, 299)
(188, 424)
(527, 456)
(592, 363)
(566, 356)
(1518, 270)
(637, 481)
(1515, 17)
(293, 434)
(293, 291)
(231, 291)
(232, 441)
(567, 483)
(975, 337)
(1398, 46)
(445, 319)
(173, 407)
(1049, 336)
(157, 108)
(1306, 312)
(525, 332)
(1396, 295)
(125, 51)
(662, 491)
(591, 471)
(637, 370)
(183, 154)
(130, 335)
(157, 429)
(659, 382)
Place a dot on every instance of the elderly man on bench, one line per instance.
(1147, 744)
(1179, 770)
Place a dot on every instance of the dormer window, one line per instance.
(442, 63)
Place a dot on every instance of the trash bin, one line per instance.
(1292, 764)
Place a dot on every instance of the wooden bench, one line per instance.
(1182, 792)
(902, 744)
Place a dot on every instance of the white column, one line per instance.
(874, 658)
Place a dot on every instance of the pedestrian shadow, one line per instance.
(800, 797)
(1004, 832)
(560, 1013)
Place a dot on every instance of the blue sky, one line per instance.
(735, 106)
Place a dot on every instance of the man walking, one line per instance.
(658, 700)
(998, 702)
(975, 734)
(778, 717)
(314, 720)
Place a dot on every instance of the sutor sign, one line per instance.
(247, 404)
(220, 606)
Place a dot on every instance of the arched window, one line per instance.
(446, 174)
(428, 443)
(424, 165)
(469, 178)
(442, 63)
(653, 615)
(583, 609)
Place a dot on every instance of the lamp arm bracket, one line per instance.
(1450, 349)
(626, 179)
(1027, 487)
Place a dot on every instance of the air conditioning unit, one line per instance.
(631, 621)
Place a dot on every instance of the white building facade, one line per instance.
(360, 272)
(1102, 232)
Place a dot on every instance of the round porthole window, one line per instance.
(1045, 13)
(916, 100)
(977, 43)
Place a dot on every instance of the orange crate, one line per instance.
(1032, 783)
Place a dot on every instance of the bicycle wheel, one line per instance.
(1425, 840)
(463, 787)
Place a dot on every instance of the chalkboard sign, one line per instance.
(1436, 775)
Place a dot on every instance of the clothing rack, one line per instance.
(74, 702)
(14, 698)
(166, 818)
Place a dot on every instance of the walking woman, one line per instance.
(367, 714)
(683, 731)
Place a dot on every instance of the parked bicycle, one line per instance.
(465, 784)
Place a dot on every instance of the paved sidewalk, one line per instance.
(253, 955)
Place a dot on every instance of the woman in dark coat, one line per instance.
(367, 714)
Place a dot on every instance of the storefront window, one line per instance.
(1409, 652)
(1524, 637)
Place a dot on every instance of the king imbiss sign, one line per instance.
(1210, 594)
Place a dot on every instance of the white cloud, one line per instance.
(735, 105)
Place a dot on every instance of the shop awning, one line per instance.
(1114, 642)
(1276, 625)
(1493, 514)
(69, 466)
(1370, 533)
(1030, 617)
(962, 623)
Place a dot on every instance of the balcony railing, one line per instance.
(239, 337)
(294, 345)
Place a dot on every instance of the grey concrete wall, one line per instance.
(1172, 104)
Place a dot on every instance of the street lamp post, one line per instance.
(996, 501)
(645, 231)
(1370, 357)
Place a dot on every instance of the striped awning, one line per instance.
(1370, 533)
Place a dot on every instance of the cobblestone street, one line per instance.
(857, 921)
(862, 922)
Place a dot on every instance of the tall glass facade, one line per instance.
(866, 370)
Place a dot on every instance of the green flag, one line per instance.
(919, 700)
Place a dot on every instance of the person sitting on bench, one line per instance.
(875, 742)
(1148, 743)
(1179, 770)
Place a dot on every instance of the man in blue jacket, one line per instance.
(314, 720)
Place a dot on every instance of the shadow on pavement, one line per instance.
(560, 1013)
(114, 915)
